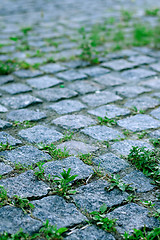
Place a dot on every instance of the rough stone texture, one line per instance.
(20, 101)
(56, 94)
(131, 91)
(76, 165)
(25, 155)
(155, 134)
(6, 79)
(109, 80)
(52, 68)
(43, 82)
(139, 122)
(27, 73)
(137, 74)
(110, 111)
(102, 133)
(15, 219)
(25, 115)
(132, 216)
(74, 121)
(138, 180)
(142, 59)
(95, 71)
(39, 134)
(124, 147)
(67, 106)
(57, 211)
(84, 87)
(119, 64)
(16, 88)
(91, 196)
(4, 169)
(142, 103)
(110, 162)
(156, 113)
(4, 124)
(71, 75)
(24, 185)
(77, 147)
(153, 83)
(156, 66)
(90, 232)
(100, 98)
(7, 138)
(3, 109)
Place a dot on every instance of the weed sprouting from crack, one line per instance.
(143, 234)
(86, 158)
(5, 146)
(155, 142)
(107, 121)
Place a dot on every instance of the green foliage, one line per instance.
(146, 161)
(25, 30)
(39, 173)
(86, 158)
(3, 196)
(155, 142)
(53, 151)
(152, 12)
(102, 221)
(126, 15)
(115, 181)
(156, 37)
(142, 34)
(24, 124)
(63, 182)
(5, 146)
(51, 232)
(142, 134)
(143, 234)
(67, 135)
(107, 121)
(7, 67)
(22, 203)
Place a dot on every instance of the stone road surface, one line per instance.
(69, 96)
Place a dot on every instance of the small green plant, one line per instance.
(86, 158)
(3, 196)
(152, 12)
(107, 121)
(142, 134)
(24, 124)
(126, 15)
(5, 146)
(102, 221)
(7, 67)
(39, 173)
(155, 142)
(115, 181)
(51, 232)
(126, 133)
(22, 203)
(135, 110)
(53, 151)
(25, 30)
(63, 182)
(143, 234)
(142, 34)
(67, 135)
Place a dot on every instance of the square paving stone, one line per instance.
(84, 87)
(27, 73)
(156, 66)
(57, 211)
(156, 94)
(76, 64)
(73, 121)
(91, 232)
(110, 162)
(35, 60)
(43, 82)
(94, 71)
(109, 80)
(93, 195)
(77, 147)
(14, 219)
(71, 75)
(4, 124)
(102, 133)
(52, 68)
(67, 106)
(139, 122)
(138, 180)
(3, 109)
(39, 133)
(20, 101)
(142, 103)
(132, 216)
(56, 94)
(7, 138)
(111, 111)
(25, 155)
(155, 134)
(153, 83)
(77, 167)
(100, 98)
(142, 59)
(16, 88)
(130, 91)
(137, 74)
(124, 147)
(156, 113)
(25, 185)
(25, 115)
(4, 169)
(6, 79)
(119, 65)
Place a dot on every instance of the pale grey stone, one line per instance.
(27, 73)
(71, 75)
(137, 74)
(142, 103)
(25, 115)
(110, 80)
(7, 138)
(6, 79)
(141, 59)
(43, 82)
(16, 88)
(52, 68)
(4, 124)
(3, 109)
(130, 91)
(153, 83)
(94, 71)
(4, 169)
(156, 66)
(156, 113)
(84, 87)
(119, 65)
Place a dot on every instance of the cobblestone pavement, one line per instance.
(59, 103)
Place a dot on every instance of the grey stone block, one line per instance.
(119, 65)
(43, 82)
(39, 134)
(84, 87)
(25, 115)
(155, 134)
(142, 103)
(141, 59)
(4, 169)
(137, 74)
(156, 113)
(71, 75)
(16, 88)
(130, 91)
(3, 109)
(4, 124)
(94, 71)
(27, 73)
(6, 79)
(110, 80)
(156, 66)
(7, 138)
(153, 83)
(52, 68)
